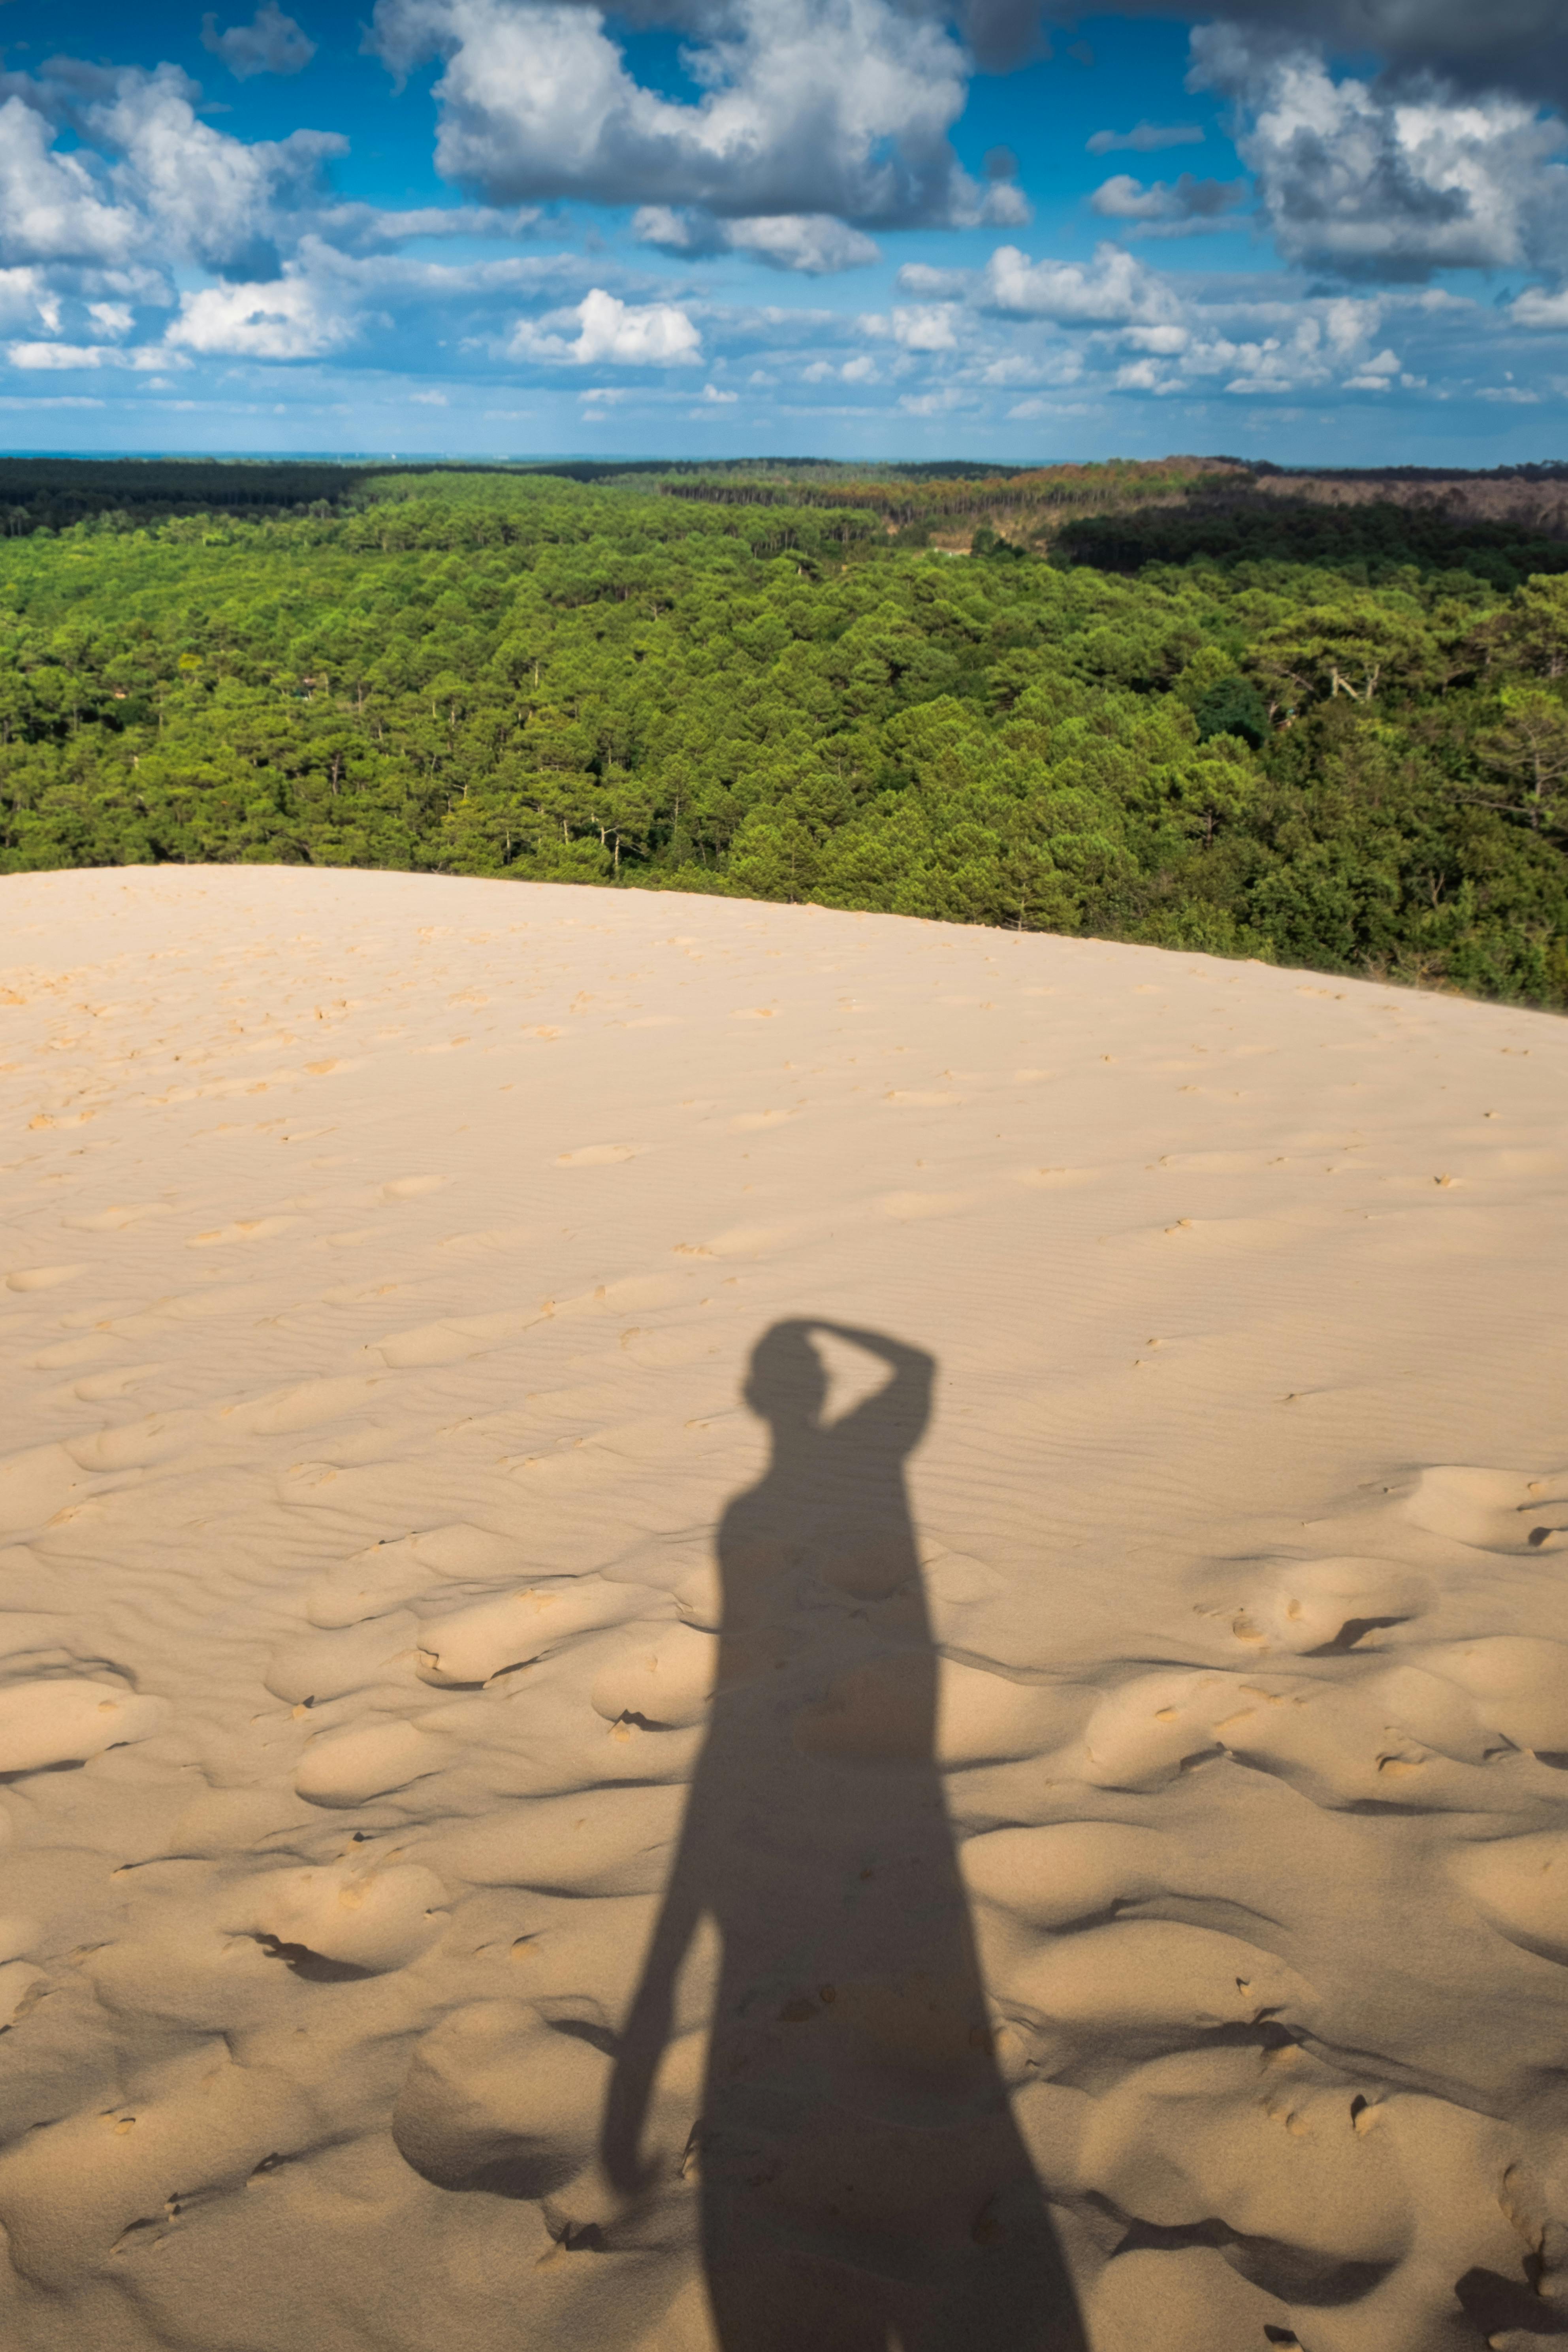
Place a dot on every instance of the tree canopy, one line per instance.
(1332, 758)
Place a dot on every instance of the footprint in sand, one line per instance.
(1521, 1885)
(1069, 1873)
(500, 2099)
(1492, 1510)
(1518, 1684)
(472, 1645)
(117, 1219)
(378, 1757)
(881, 1713)
(910, 1208)
(367, 1920)
(603, 1841)
(42, 1277)
(43, 1725)
(1277, 2147)
(307, 1406)
(316, 1668)
(1321, 1607)
(244, 1229)
(755, 1122)
(33, 1485)
(664, 1685)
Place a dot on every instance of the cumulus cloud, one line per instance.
(149, 176)
(1114, 290)
(933, 285)
(1146, 138)
(371, 228)
(623, 335)
(216, 195)
(51, 207)
(1511, 45)
(807, 107)
(1387, 182)
(290, 318)
(1270, 349)
(926, 327)
(46, 358)
(941, 403)
(271, 43)
(812, 243)
(1537, 307)
(26, 293)
(1186, 203)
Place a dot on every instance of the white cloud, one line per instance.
(928, 327)
(933, 285)
(271, 43)
(428, 399)
(717, 399)
(287, 319)
(1144, 375)
(807, 107)
(1513, 45)
(998, 204)
(51, 207)
(1024, 411)
(215, 196)
(1185, 203)
(1146, 138)
(150, 177)
(58, 357)
(812, 243)
(1114, 290)
(1390, 183)
(1165, 340)
(941, 403)
(1143, 334)
(651, 334)
(368, 228)
(1537, 307)
(1061, 363)
(25, 292)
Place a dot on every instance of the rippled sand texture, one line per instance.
(383, 1261)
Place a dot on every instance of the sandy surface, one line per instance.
(1124, 1864)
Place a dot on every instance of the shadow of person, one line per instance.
(864, 2186)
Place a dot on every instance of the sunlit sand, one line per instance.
(734, 1629)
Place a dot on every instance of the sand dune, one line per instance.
(730, 1629)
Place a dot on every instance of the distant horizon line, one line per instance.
(414, 459)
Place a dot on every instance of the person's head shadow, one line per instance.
(863, 2182)
(788, 1383)
(831, 1510)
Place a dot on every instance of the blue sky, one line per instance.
(874, 228)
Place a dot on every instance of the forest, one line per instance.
(1161, 706)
